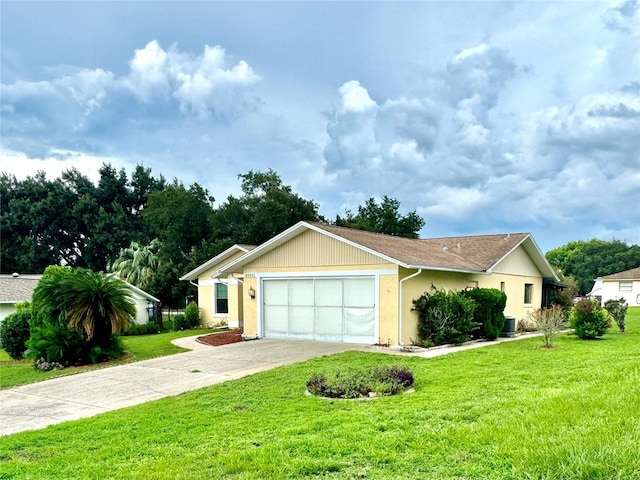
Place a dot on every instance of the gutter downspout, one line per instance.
(400, 305)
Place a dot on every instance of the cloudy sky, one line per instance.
(483, 116)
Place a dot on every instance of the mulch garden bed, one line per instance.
(222, 338)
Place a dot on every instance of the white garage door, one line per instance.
(326, 309)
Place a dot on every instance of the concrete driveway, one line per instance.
(37, 405)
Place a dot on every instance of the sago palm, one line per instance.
(93, 303)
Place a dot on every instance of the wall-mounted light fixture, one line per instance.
(252, 292)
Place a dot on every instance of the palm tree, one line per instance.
(137, 264)
(95, 304)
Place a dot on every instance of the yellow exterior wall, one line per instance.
(521, 270)
(205, 297)
(388, 308)
(250, 307)
(517, 262)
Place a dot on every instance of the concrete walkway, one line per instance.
(37, 405)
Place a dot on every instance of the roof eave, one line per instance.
(195, 273)
(447, 269)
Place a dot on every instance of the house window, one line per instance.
(222, 298)
(625, 286)
(528, 292)
(502, 286)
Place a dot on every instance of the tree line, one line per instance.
(152, 231)
(584, 261)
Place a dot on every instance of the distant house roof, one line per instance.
(14, 289)
(632, 274)
(196, 272)
(477, 253)
(17, 288)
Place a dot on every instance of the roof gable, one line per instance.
(219, 259)
(477, 254)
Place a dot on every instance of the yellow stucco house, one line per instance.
(328, 283)
(220, 300)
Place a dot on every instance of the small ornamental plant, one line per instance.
(618, 310)
(42, 365)
(549, 321)
(358, 384)
(589, 319)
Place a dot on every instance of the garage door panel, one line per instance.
(359, 321)
(328, 292)
(301, 320)
(328, 320)
(359, 292)
(276, 319)
(276, 292)
(301, 292)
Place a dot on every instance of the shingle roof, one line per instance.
(632, 274)
(473, 253)
(17, 289)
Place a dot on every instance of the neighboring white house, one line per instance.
(15, 289)
(618, 285)
(18, 288)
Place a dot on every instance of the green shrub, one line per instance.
(589, 319)
(14, 333)
(383, 381)
(143, 329)
(618, 310)
(192, 315)
(179, 322)
(68, 347)
(489, 311)
(392, 379)
(445, 317)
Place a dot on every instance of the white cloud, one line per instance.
(355, 98)
(55, 163)
(148, 78)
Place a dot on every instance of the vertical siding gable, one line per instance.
(518, 262)
(313, 249)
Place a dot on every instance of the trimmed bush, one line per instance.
(618, 310)
(445, 317)
(589, 319)
(143, 329)
(489, 311)
(14, 333)
(192, 315)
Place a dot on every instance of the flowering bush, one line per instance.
(44, 366)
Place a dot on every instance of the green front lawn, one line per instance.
(509, 411)
(141, 347)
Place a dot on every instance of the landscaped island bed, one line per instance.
(509, 411)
